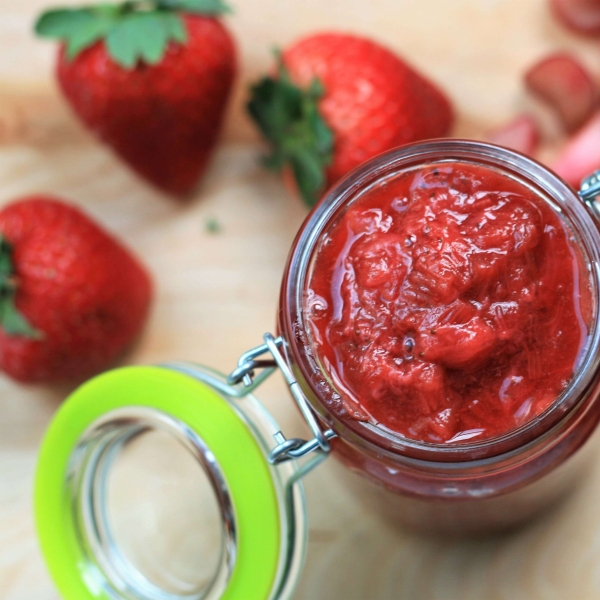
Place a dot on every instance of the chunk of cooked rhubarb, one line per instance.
(581, 155)
(562, 82)
(521, 134)
(582, 16)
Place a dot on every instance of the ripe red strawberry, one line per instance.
(151, 79)
(71, 297)
(338, 100)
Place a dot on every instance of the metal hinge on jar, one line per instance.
(248, 363)
(590, 190)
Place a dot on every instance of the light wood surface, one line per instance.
(217, 293)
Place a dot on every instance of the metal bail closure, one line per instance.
(590, 190)
(286, 449)
(129, 471)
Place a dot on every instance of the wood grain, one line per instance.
(217, 293)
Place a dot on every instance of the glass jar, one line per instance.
(254, 471)
(462, 486)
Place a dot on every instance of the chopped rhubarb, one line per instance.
(581, 155)
(566, 86)
(582, 16)
(520, 134)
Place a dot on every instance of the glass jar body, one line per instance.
(484, 496)
(462, 487)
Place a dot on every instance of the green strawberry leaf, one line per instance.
(139, 37)
(13, 323)
(60, 23)
(134, 31)
(290, 120)
(308, 173)
(174, 27)
(6, 266)
(11, 320)
(204, 7)
(79, 28)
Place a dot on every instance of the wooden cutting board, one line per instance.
(217, 292)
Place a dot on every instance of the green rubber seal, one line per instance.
(208, 414)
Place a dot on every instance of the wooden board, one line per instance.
(217, 293)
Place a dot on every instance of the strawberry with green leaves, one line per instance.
(72, 298)
(337, 100)
(151, 78)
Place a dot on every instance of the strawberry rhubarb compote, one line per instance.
(448, 303)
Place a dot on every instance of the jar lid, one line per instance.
(261, 506)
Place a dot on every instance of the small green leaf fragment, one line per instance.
(212, 225)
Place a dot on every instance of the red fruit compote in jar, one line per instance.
(448, 304)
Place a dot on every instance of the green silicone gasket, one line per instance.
(239, 455)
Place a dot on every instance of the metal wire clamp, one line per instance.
(590, 190)
(249, 362)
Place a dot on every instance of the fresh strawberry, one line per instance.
(521, 134)
(151, 79)
(582, 16)
(338, 100)
(565, 84)
(581, 155)
(71, 297)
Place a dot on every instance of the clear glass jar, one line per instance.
(91, 536)
(461, 486)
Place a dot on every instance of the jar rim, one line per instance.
(312, 376)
